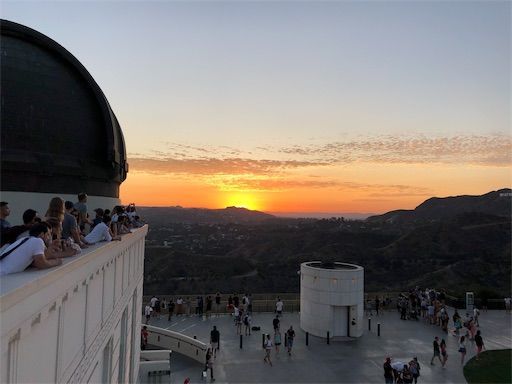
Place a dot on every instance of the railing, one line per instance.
(260, 303)
(77, 322)
(177, 342)
(265, 302)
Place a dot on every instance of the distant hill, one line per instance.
(163, 215)
(497, 203)
(323, 215)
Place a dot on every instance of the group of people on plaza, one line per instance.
(183, 307)
(431, 306)
(401, 373)
(64, 231)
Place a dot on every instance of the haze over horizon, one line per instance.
(297, 106)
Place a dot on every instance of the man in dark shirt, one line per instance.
(214, 340)
(436, 351)
(388, 371)
(217, 303)
(275, 323)
(479, 344)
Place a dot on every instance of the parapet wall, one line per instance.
(79, 322)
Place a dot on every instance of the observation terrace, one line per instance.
(78, 322)
(359, 360)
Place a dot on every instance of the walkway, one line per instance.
(355, 361)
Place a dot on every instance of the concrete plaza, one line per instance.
(352, 361)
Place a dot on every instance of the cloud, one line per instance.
(216, 166)
(492, 150)
(232, 169)
(269, 184)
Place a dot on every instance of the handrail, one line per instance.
(177, 342)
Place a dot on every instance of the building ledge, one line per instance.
(17, 286)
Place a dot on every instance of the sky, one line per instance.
(307, 106)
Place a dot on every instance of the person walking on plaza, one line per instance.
(268, 349)
(290, 335)
(247, 324)
(388, 371)
(277, 340)
(437, 352)
(209, 363)
(462, 349)
(147, 312)
(479, 344)
(214, 340)
(444, 353)
(275, 323)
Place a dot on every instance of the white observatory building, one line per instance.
(331, 299)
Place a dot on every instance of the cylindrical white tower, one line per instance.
(331, 299)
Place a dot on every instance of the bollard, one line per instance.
(241, 338)
(327, 337)
(286, 339)
(263, 340)
(307, 338)
(378, 329)
(369, 323)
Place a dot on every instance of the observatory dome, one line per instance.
(58, 132)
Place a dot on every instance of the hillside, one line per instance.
(496, 203)
(163, 215)
(459, 252)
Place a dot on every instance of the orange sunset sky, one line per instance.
(338, 106)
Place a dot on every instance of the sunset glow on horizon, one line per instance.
(339, 106)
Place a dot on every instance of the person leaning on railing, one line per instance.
(29, 251)
(101, 232)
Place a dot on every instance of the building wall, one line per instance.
(332, 301)
(78, 322)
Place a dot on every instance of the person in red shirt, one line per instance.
(144, 337)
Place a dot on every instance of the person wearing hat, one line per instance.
(388, 371)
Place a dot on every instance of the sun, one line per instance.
(242, 200)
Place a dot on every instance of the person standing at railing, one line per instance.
(179, 308)
(217, 303)
(249, 303)
(279, 307)
(209, 302)
(170, 307)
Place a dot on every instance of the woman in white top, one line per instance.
(268, 349)
(101, 232)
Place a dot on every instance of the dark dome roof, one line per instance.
(58, 132)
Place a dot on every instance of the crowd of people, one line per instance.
(65, 229)
(430, 305)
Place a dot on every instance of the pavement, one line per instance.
(352, 361)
